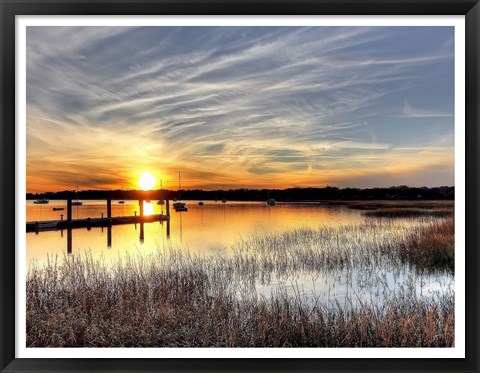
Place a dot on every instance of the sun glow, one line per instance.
(147, 181)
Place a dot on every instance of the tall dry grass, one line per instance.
(431, 247)
(408, 212)
(177, 299)
(169, 303)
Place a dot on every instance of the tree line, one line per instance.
(290, 194)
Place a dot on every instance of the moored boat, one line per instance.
(77, 202)
(179, 205)
(271, 202)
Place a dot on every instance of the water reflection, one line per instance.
(109, 230)
(211, 228)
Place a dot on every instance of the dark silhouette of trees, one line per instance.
(401, 192)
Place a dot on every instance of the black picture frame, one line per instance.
(11, 8)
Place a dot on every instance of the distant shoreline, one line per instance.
(283, 195)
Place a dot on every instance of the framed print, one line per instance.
(239, 186)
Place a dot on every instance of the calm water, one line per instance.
(215, 228)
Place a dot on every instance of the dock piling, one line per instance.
(109, 236)
(140, 202)
(109, 208)
(69, 210)
(69, 241)
(167, 203)
(142, 232)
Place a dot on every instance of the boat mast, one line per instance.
(179, 189)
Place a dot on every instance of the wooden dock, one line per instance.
(69, 223)
(36, 226)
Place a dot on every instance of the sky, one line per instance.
(239, 107)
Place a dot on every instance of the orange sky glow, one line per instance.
(239, 107)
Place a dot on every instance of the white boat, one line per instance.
(77, 202)
(271, 202)
(122, 201)
(41, 201)
(161, 201)
(179, 205)
(224, 199)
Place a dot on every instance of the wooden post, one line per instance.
(140, 202)
(168, 228)
(109, 236)
(69, 210)
(167, 202)
(69, 241)
(142, 232)
(109, 208)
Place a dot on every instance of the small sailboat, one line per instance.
(122, 201)
(224, 200)
(77, 202)
(200, 203)
(270, 201)
(41, 201)
(179, 205)
(161, 201)
(57, 208)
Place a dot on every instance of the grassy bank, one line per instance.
(396, 204)
(177, 299)
(143, 305)
(432, 247)
(409, 212)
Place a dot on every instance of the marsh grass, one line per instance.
(396, 204)
(176, 299)
(431, 247)
(408, 212)
(183, 308)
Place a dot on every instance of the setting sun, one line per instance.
(147, 181)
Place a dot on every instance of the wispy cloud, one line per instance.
(241, 106)
(415, 112)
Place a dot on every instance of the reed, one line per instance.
(396, 204)
(177, 299)
(431, 247)
(408, 212)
